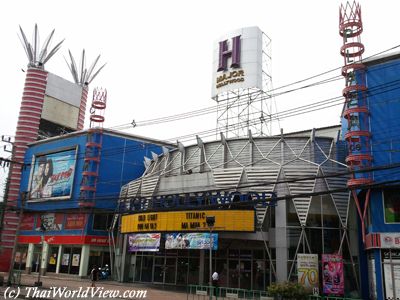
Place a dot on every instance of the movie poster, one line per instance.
(65, 259)
(307, 270)
(75, 260)
(144, 242)
(195, 240)
(52, 176)
(333, 277)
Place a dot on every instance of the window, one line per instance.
(102, 222)
(391, 202)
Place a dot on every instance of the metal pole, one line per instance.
(210, 278)
(38, 283)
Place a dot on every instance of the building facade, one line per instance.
(50, 106)
(291, 189)
(63, 230)
(380, 199)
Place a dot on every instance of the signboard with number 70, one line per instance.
(307, 270)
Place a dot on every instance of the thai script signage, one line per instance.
(144, 242)
(307, 270)
(194, 240)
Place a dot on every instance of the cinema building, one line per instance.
(272, 198)
(69, 191)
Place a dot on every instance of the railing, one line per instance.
(16, 277)
(201, 292)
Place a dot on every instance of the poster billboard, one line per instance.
(144, 242)
(307, 270)
(51, 222)
(52, 176)
(195, 240)
(333, 277)
(237, 61)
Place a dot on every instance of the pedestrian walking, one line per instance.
(94, 275)
(215, 278)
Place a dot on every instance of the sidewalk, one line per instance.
(136, 291)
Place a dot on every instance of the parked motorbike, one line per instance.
(104, 273)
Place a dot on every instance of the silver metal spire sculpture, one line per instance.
(81, 74)
(37, 58)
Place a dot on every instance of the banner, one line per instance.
(144, 242)
(52, 175)
(199, 240)
(333, 278)
(28, 221)
(307, 270)
(75, 221)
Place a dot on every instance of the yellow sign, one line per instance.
(193, 220)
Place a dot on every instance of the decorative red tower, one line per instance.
(93, 149)
(50, 106)
(355, 110)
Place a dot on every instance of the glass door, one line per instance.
(170, 270)
(182, 271)
(165, 270)
(37, 252)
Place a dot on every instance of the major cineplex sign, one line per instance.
(190, 200)
(237, 62)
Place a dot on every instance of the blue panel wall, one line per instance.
(121, 161)
(384, 104)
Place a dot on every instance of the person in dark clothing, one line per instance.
(94, 275)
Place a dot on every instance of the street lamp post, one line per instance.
(210, 220)
(42, 229)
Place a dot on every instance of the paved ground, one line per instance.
(50, 283)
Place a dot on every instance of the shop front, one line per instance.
(237, 268)
(179, 254)
(62, 254)
(384, 264)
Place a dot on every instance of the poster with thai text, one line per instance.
(195, 240)
(307, 270)
(144, 242)
(332, 274)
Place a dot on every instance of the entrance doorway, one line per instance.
(37, 253)
(165, 270)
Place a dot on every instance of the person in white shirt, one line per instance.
(215, 278)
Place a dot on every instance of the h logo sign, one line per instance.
(234, 53)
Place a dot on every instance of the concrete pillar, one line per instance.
(60, 248)
(201, 269)
(84, 263)
(44, 257)
(123, 259)
(29, 258)
(281, 242)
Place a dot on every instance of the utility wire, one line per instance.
(327, 174)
